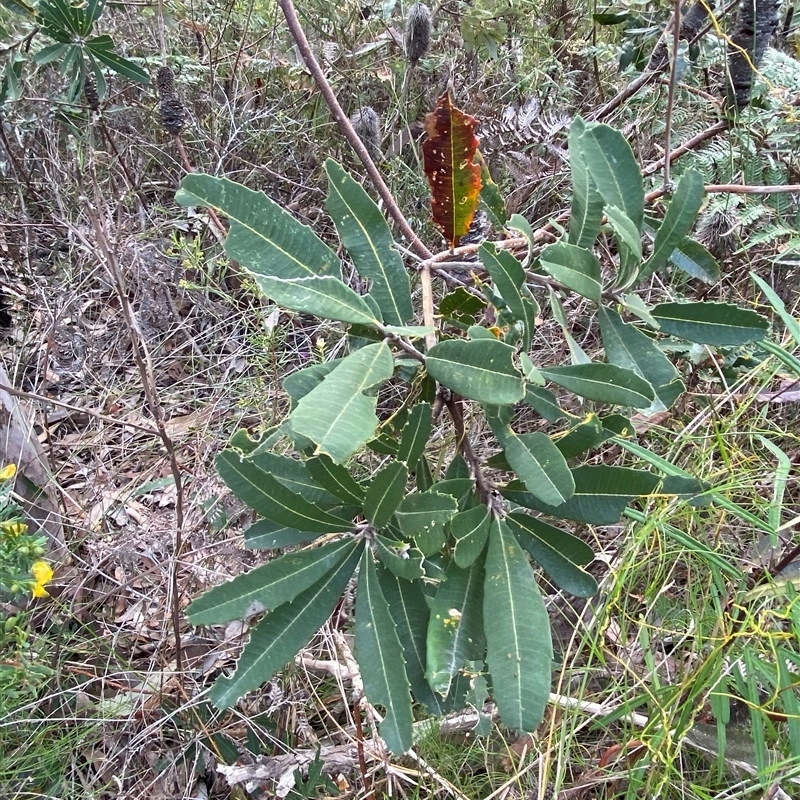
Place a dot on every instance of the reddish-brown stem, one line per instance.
(362, 762)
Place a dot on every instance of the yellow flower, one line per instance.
(14, 527)
(8, 472)
(43, 573)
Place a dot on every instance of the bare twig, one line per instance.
(689, 144)
(361, 151)
(673, 79)
(144, 365)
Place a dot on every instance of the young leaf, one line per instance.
(614, 170)
(601, 494)
(718, 324)
(537, 461)
(630, 348)
(410, 611)
(380, 657)
(604, 383)
(470, 529)
(324, 296)
(481, 370)
(279, 635)
(577, 268)
(560, 554)
(336, 415)
(416, 433)
(268, 586)
(587, 205)
(519, 647)
(422, 517)
(508, 278)
(455, 630)
(263, 236)
(335, 479)
(385, 492)
(367, 238)
(679, 219)
(454, 178)
(270, 498)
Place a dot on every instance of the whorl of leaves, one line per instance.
(756, 25)
(367, 125)
(418, 32)
(90, 93)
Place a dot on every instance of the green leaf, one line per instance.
(586, 435)
(680, 217)
(457, 468)
(293, 474)
(791, 323)
(470, 529)
(300, 383)
(614, 170)
(18, 7)
(380, 657)
(325, 297)
(385, 492)
(519, 647)
(695, 260)
(587, 205)
(630, 348)
(416, 433)
(51, 53)
(508, 278)
(122, 66)
(601, 494)
(560, 554)
(279, 635)
(422, 517)
(364, 232)
(544, 403)
(455, 630)
(410, 611)
(537, 461)
(268, 586)
(604, 383)
(335, 479)
(269, 497)
(399, 558)
(577, 268)
(629, 244)
(268, 535)
(263, 237)
(481, 370)
(490, 196)
(718, 324)
(336, 415)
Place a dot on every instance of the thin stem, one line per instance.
(673, 79)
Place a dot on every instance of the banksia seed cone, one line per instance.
(90, 93)
(367, 125)
(170, 109)
(165, 82)
(418, 32)
(171, 113)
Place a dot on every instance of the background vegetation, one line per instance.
(678, 678)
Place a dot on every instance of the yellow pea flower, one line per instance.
(43, 573)
(8, 472)
(14, 527)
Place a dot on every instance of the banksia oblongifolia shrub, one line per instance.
(367, 125)
(90, 93)
(170, 109)
(418, 32)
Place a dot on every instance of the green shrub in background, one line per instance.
(447, 600)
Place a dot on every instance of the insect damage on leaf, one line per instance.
(454, 177)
